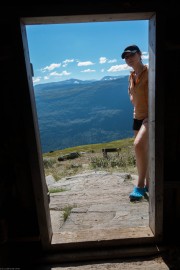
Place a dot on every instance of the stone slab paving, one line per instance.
(97, 200)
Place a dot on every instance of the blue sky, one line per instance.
(84, 51)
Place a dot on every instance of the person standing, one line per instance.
(138, 93)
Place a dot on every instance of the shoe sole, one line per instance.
(133, 199)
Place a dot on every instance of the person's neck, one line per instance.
(138, 69)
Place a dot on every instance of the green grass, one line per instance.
(55, 190)
(91, 147)
(92, 158)
(67, 211)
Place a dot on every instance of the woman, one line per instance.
(138, 93)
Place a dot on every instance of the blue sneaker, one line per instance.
(137, 194)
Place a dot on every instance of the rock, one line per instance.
(50, 180)
(71, 155)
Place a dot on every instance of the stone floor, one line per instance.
(96, 200)
(100, 200)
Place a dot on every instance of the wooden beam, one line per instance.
(100, 254)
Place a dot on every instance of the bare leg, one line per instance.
(141, 153)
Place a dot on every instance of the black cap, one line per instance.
(130, 49)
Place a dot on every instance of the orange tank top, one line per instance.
(138, 91)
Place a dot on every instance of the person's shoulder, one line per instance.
(146, 67)
(131, 73)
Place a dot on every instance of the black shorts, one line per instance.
(137, 124)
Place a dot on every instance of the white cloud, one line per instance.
(64, 73)
(36, 79)
(86, 63)
(102, 70)
(117, 68)
(112, 61)
(145, 55)
(67, 61)
(88, 70)
(50, 67)
(102, 60)
(46, 77)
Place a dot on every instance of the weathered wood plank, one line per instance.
(106, 150)
(100, 254)
(102, 237)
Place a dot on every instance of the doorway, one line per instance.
(148, 234)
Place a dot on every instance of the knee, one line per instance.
(140, 146)
(137, 145)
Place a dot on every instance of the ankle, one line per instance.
(140, 186)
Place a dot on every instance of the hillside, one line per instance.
(91, 158)
(75, 112)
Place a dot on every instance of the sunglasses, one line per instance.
(129, 55)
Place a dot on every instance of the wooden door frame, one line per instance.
(152, 234)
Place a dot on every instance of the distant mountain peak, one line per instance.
(110, 78)
(74, 81)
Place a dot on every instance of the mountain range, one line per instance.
(76, 112)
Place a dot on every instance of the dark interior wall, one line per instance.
(172, 125)
(17, 202)
(18, 217)
(172, 108)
